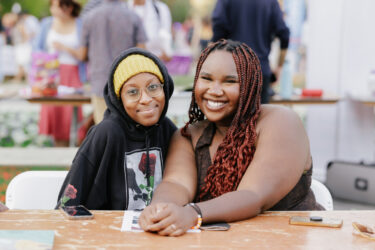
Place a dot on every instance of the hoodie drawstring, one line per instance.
(149, 171)
(148, 159)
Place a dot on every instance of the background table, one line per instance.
(180, 102)
(7, 93)
(179, 105)
(41, 157)
(267, 231)
(73, 100)
(304, 100)
(364, 99)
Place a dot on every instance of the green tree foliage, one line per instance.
(180, 9)
(38, 8)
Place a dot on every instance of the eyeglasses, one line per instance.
(133, 94)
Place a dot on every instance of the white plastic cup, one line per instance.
(286, 84)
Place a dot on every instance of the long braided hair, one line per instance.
(237, 149)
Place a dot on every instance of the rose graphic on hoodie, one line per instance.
(143, 168)
(70, 193)
(143, 164)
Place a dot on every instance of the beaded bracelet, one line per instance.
(199, 215)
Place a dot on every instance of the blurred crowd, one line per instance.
(19, 30)
(77, 45)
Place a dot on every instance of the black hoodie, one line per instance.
(120, 162)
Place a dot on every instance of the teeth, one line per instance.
(215, 104)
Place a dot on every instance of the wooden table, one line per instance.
(304, 100)
(267, 231)
(73, 100)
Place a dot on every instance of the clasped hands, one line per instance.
(167, 219)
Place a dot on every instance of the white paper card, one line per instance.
(130, 222)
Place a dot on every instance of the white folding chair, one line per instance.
(34, 190)
(322, 194)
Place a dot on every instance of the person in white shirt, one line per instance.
(24, 33)
(157, 22)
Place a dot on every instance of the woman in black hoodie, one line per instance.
(121, 161)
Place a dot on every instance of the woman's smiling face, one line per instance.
(145, 110)
(217, 89)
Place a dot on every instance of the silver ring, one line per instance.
(173, 226)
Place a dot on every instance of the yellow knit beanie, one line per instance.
(131, 66)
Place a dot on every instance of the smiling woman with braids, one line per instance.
(261, 155)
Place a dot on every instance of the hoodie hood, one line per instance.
(114, 104)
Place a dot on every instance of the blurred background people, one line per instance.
(9, 66)
(9, 21)
(2, 42)
(106, 32)
(180, 39)
(90, 5)
(255, 23)
(60, 33)
(157, 22)
(188, 26)
(25, 30)
(205, 32)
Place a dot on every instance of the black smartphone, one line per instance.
(221, 226)
(77, 212)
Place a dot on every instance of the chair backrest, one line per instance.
(35, 189)
(322, 194)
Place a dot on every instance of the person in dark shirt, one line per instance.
(256, 23)
(121, 161)
(235, 158)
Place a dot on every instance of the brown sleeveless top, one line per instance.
(299, 198)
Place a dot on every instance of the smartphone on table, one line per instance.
(315, 221)
(77, 212)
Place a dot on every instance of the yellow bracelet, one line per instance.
(199, 215)
(199, 223)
